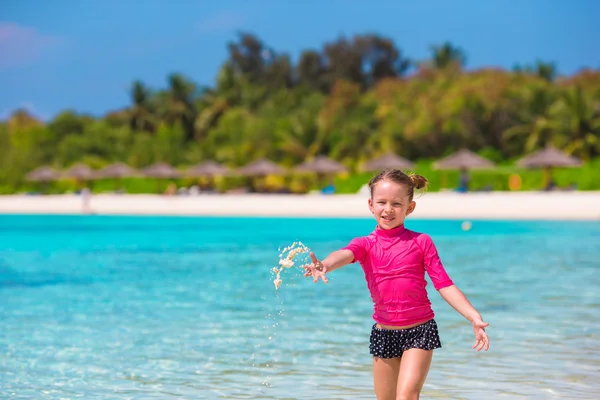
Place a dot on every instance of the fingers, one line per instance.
(486, 341)
(308, 270)
(481, 342)
(316, 269)
(478, 345)
(313, 258)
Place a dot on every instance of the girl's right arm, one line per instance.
(335, 260)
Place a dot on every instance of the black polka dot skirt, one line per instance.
(387, 343)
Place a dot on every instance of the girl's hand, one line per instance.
(316, 269)
(481, 338)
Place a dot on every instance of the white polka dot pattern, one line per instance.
(387, 343)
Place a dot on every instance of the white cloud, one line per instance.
(20, 45)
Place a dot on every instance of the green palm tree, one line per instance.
(213, 103)
(141, 116)
(447, 54)
(578, 119)
(298, 132)
(176, 104)
(534, 127)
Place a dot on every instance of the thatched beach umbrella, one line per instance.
(262, 167)
(207, 169)
(161, 170)
(117, 170)
(321, 165)
(388, 161)
(548, 158)
(463, 160)
(80, 172)
(43, 174)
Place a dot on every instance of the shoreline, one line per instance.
(582, 206)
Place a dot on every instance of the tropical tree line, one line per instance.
(353, 99)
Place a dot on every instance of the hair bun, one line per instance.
(418, 181)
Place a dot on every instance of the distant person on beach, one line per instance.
(86, 197)
(394, 260)
(171, 190)
(463, 181)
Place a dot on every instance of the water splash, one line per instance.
(286, 260)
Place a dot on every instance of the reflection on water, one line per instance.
(157, 312)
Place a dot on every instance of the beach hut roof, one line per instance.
(117, 170)
(321, 165)
(549, 157)
(208, 168)
(463, 159)
(79, 171)
(388, 161)
(43, 174)
(160, 170)
(261, 167)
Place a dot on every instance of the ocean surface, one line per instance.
(98, 307)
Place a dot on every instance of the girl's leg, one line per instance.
(385, 376)
(413, 372)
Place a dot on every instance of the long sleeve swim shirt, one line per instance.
(394, 262)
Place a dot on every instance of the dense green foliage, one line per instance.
(353, 100)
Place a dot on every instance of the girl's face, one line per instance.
(390, 204)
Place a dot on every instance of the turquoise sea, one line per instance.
(98, 307)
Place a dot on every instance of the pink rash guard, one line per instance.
(394, 262)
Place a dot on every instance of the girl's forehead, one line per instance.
(387, 188)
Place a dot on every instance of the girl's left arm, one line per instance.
(455, 297)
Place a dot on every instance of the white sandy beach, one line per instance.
(445, 205)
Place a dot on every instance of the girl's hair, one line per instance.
(411, 181)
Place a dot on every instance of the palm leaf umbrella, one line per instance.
(208, 169)
(463, 160)
(43, 174)
(548, 158)
(323, 166)
(161, 170)
(261, 169)
(79, 172)
(388, 161)
(117, 171)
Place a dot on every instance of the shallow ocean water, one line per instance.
(180, 307)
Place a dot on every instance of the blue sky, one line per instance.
(83, 55)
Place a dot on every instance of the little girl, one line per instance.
(394, 260)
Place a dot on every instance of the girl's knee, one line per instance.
(407, 393)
